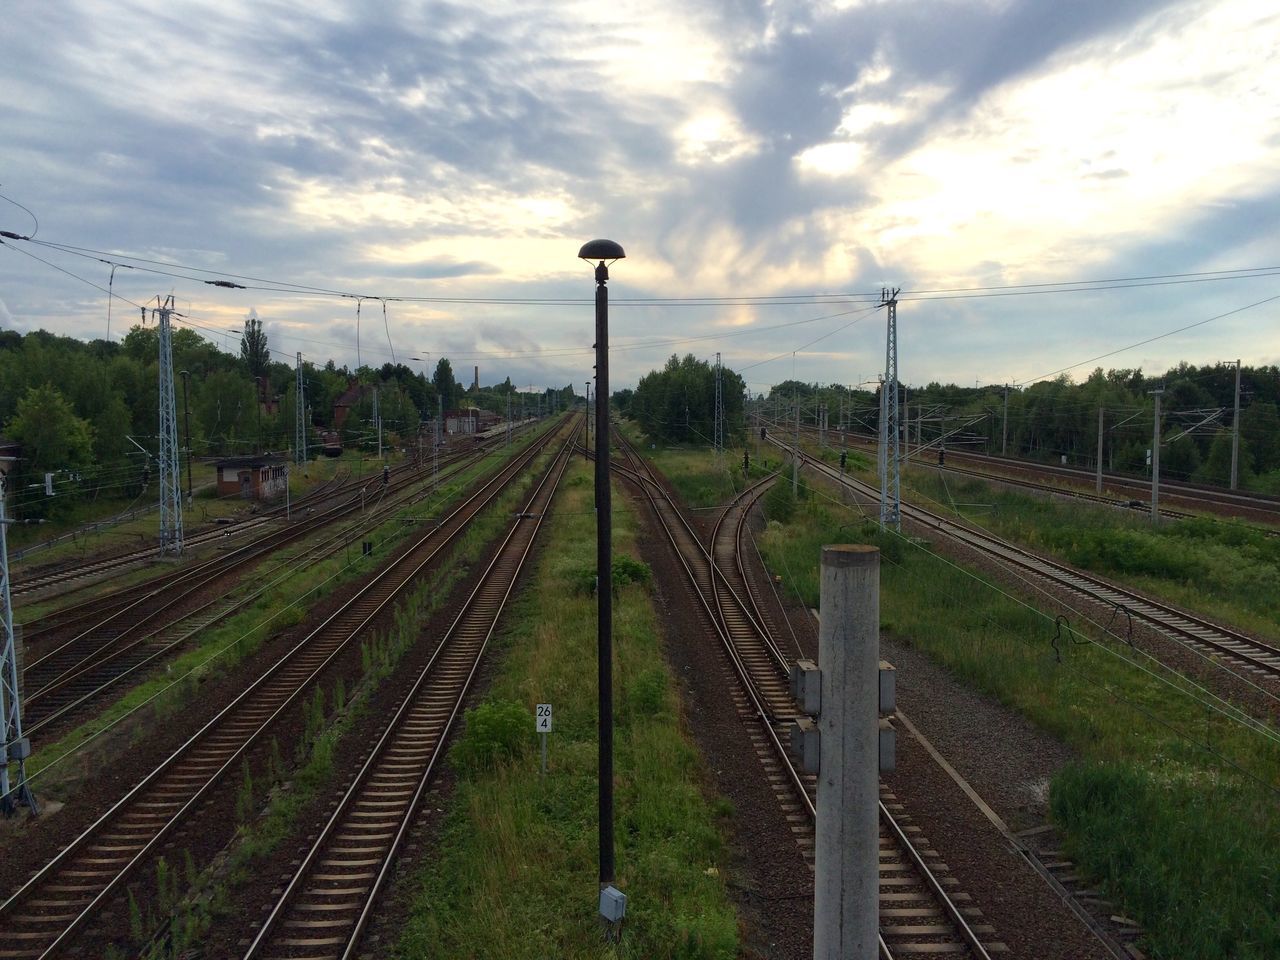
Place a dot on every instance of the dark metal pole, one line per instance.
(186, 415)
(604, 567)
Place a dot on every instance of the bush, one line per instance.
(628, 570)
(495, 731)
(780, 502)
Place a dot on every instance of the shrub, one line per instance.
(495, 731)
(780, 502)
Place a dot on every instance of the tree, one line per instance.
(446, 385)
(253, 347)
(53, 439)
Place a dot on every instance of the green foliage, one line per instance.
(518, 849)
(1166, 802)
(677, 403)
(495, 731)
(1162, 836)
(630, 570)
(780, 501)
(253, 347)
(137, 927)
(245, 806)
(52, 436)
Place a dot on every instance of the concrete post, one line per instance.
(1099, 450)
(846, 905)
(1155, 461)
(1235, 435)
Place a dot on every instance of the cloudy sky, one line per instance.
(782, 153)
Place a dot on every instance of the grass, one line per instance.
(222, 646)
(516, 872)
(284, 790)
(1169, 799)
(1223, 569)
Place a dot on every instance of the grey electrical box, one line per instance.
(804, 744)
(806, 686)
(19, 749)
(888, 747)
(888, 688)
(613, 904)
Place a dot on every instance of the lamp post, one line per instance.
(600, 251)
(186, 415)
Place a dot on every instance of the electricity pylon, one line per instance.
(14, 747)
(719, 427)
(890, 487)
(170, 495)
(300, 430)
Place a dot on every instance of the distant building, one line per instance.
(349, 398)
(10, 454)
(259, 477)
(470, 420)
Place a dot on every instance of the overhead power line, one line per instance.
(940, 293)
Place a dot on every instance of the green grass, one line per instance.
(1223, 569)
(1149, 808)
(222, 646)
(285, 790)
(515, 876)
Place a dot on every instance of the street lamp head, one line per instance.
(601, 250)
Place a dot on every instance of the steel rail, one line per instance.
(1255, 655)
(413, 738)
(134, 827)
(803, 785)
(121, 660)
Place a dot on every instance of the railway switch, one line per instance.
(805, 744)
(806, 686)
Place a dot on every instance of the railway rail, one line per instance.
(80, 573)
(324, 909)
(61, 684)
(42, 918)
(919, 911)
(1248, 506)
(1256, 658)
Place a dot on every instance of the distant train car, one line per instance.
(331, 444)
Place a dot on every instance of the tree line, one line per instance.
(1057, 420)
(677, 403)
(87, 413)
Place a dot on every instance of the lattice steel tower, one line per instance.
(890, 495)
(170, 494)
(14, 747)
(719, 427)
(300, 430)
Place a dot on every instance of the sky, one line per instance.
(769, 168)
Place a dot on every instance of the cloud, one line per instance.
(733, 146)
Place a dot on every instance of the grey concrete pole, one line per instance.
(846, 902)
(1155, 462)
(1235, 435)
(1100, 450)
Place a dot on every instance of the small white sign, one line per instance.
(542, 722)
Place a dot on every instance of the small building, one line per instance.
(259, 477)
(470, 420)
(342, 406)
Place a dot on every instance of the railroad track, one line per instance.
(59, 688)
(77, 574)
(1257, 659)
(325, 907)
(919, 910)
(1256, 504)
(42, 918)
